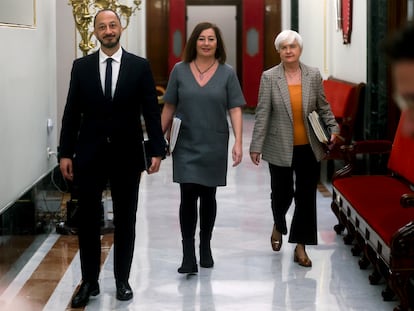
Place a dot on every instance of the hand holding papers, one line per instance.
(146, 147)
(175, 129)
(148, 153)
(318, 127)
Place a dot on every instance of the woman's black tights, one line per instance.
(188, 210)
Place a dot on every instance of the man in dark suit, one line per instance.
(101, 141)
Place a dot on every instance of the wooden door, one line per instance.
(251, 33)
(258, 23)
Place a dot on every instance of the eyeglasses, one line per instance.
(404, 101)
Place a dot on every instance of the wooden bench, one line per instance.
(378, 215)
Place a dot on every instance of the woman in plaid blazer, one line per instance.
(282, 136)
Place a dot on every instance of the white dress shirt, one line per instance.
(116, 63)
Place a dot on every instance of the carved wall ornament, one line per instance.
(343, 10)
(85, 10)
(346, 21)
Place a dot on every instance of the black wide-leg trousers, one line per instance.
(298, 183)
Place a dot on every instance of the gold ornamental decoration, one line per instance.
(85, 10)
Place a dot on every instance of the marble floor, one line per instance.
(247, 274)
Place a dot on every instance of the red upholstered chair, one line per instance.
(346, 99)
(378, 213)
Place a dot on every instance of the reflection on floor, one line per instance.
(42, 272)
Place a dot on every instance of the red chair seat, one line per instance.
(374, 205)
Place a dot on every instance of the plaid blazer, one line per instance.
(273, 129)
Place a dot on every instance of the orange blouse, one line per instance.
(299, 131)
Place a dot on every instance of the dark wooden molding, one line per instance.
(157, 39)
(294, 15)
(273, 24)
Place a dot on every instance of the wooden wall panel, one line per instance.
(157, 39)
(273, 26)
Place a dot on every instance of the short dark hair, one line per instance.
(400, 44)
(106, 10)
(190, 51)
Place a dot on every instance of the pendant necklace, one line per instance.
(294, 75)
(201, 73)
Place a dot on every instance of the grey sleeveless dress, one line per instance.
(201, 151)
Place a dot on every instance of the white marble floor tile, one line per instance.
(247, 274)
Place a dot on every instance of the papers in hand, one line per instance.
(175, 129)
(318, 127)
(146, 147)
(149, 153)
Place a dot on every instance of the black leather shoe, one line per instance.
(123, 291)
(86, 290)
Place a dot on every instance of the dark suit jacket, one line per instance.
(90, 121)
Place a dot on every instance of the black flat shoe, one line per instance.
(86, 290)
(123, 291)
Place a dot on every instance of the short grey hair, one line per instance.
(288, 36)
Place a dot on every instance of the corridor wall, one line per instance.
(27, 101)
(323, 43)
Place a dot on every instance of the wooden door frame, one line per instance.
(238, 4)
(158, 36)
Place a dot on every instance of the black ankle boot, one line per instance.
(189, 264)
(206, 259)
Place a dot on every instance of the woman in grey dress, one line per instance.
(200, 92)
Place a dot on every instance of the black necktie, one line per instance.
(108, 78)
